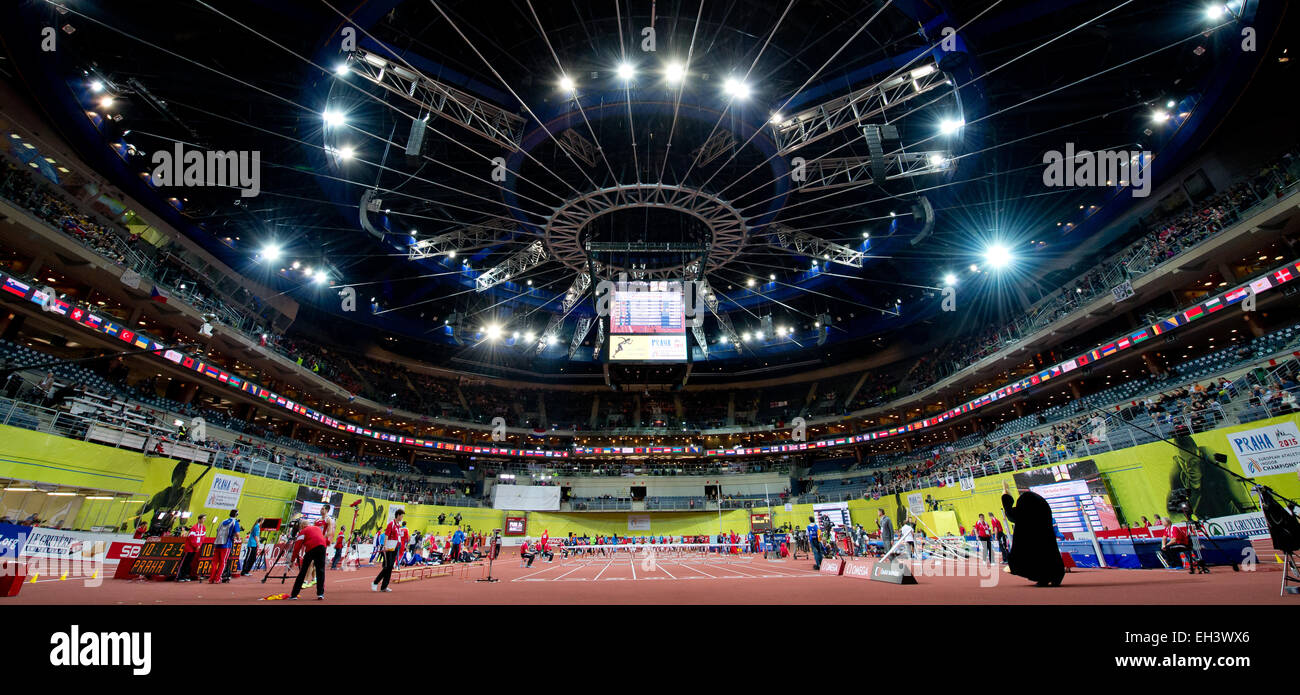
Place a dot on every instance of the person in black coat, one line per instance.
(1034, 553)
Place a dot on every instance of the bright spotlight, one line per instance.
(998, 256)
(550, 340)
(346, 153)
(1160, 116)
(320, 277)
(771, 276)
(334, 118)
(736, 88)
(493, 331)
(949, 280)
(341, 69)
(866, 235)
(723, 340)
(776, 118)
(758, 335)
(674, 72)
(1215, 11)
(751, 282)
(451, 253)
(948, 126)
(567, 84)
(938, 161)
(625, 71)
(746, 336)
(106, 101)
(97, 86)
(1169, 104)
(529, 335)
(271, 252)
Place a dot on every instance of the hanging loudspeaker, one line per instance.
(923, 213)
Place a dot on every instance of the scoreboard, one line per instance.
(162, 558)
(647, 322)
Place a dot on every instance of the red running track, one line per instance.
(738, 581)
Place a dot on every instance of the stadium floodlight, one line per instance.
(746, 336)
(451, 253)
(1160, 116)
(106, 101)
(550, 340)
(758, 335)
(776, 118)
(771, 276)
(346, 153)
(567, 85)
(674, 72)
(271, 252)
(751, 282)
(341, 69)
(625, 71)
(948, 126)
(736, 88)
(529, 336)
(493, 331)
(998, 256)
(949, 280)
(722, 340)
(866, 235)
(333, 118)
(320, 277)
(938, 161)
(97, 86)
(1216, 11)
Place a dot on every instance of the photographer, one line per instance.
(1178, 540)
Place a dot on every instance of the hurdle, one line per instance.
(673, 552)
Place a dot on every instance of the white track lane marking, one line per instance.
(602, 571)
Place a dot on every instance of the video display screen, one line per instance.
(653, 307)
(647, 323)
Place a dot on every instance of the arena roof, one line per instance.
(565, 144)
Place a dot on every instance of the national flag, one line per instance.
(1095, 354)
(1156, 329)
(1261, 285)
(126, 336)
(13, 286)
(140, 342)
(1194, 313)
(1213, 305)
(1236, 295)
(1172, 322)
(93, 321)
(172, 356)
(1109, 350)
(1140, 336)
(1283, 275)
(1034, 379)
(1124, 343)
(157, 295)
(111, 328)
